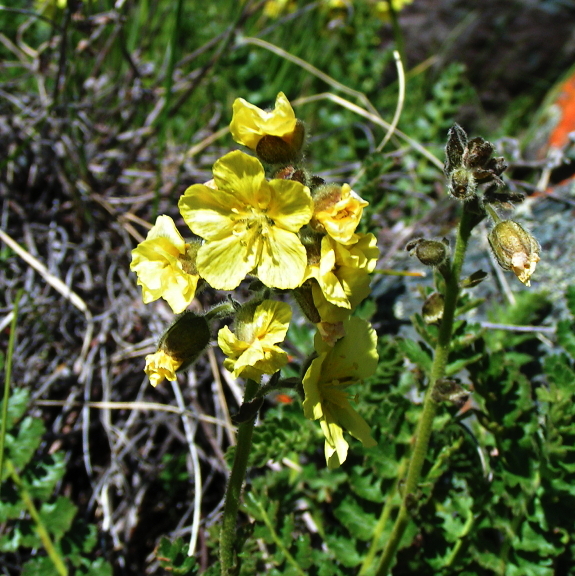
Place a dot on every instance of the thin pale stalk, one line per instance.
(425, 424)
(234, 488)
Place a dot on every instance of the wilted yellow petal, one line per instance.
(161, 365)
(351, 359)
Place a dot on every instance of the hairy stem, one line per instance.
(234, 488)
(425, 424)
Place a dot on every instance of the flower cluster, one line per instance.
(265, 218)
(335, 8)
(473, 176)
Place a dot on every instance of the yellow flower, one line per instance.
(253, 352)
(342, 276)
(382, 8)
(250, 225)
(337, 211)
(350, 360)
(276, 8)
(164, 265)
(161, 365)
(250, 123)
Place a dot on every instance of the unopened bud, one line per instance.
(181, 344)
(456, 144)
(478, 153)
(282, 150)
(515, 249)
(186, 338)
(462, 184)
(304, 297)
(429, 252)
(291, 173)
(432, 310)
(446, 390)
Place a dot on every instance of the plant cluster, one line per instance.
(297, 234)
(293, 233)
(449, 453)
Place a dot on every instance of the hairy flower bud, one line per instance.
(456, 144)
(446, 390)
(429, 252)
(282, 150)
(303, 295)
(432, 310)
(180, 346)
(515, 249)
(469, 163)
(461, 184)
(291, 173)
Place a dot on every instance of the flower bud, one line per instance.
(446, 390)
(456, 144)
(429, 252)
(478, 153)
(462, 184)
(180, 346)
(515, 249)
(304, 297)
(432, 310)
(282, 150)
(291, 173)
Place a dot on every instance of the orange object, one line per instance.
(565, 104)
(283, 399)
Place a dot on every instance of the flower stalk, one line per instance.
(234, 489)
(425, 425)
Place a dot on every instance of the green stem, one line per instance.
(390, 503)
(277, 540)
(425, 425)
(397, 34)
(234, 488)
(461, 543)
(494, 216)
(38, 523)
(7, 380)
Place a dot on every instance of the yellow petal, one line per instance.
(249, 123)
(225, 263)
(165, 227)
(161, 365)
(159, 263)
(291, 205)
(283, 260)
(335, 444)
(339, 213)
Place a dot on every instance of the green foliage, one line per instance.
(285, 434)
(497, 495)
(33, 483)
(173, 557)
